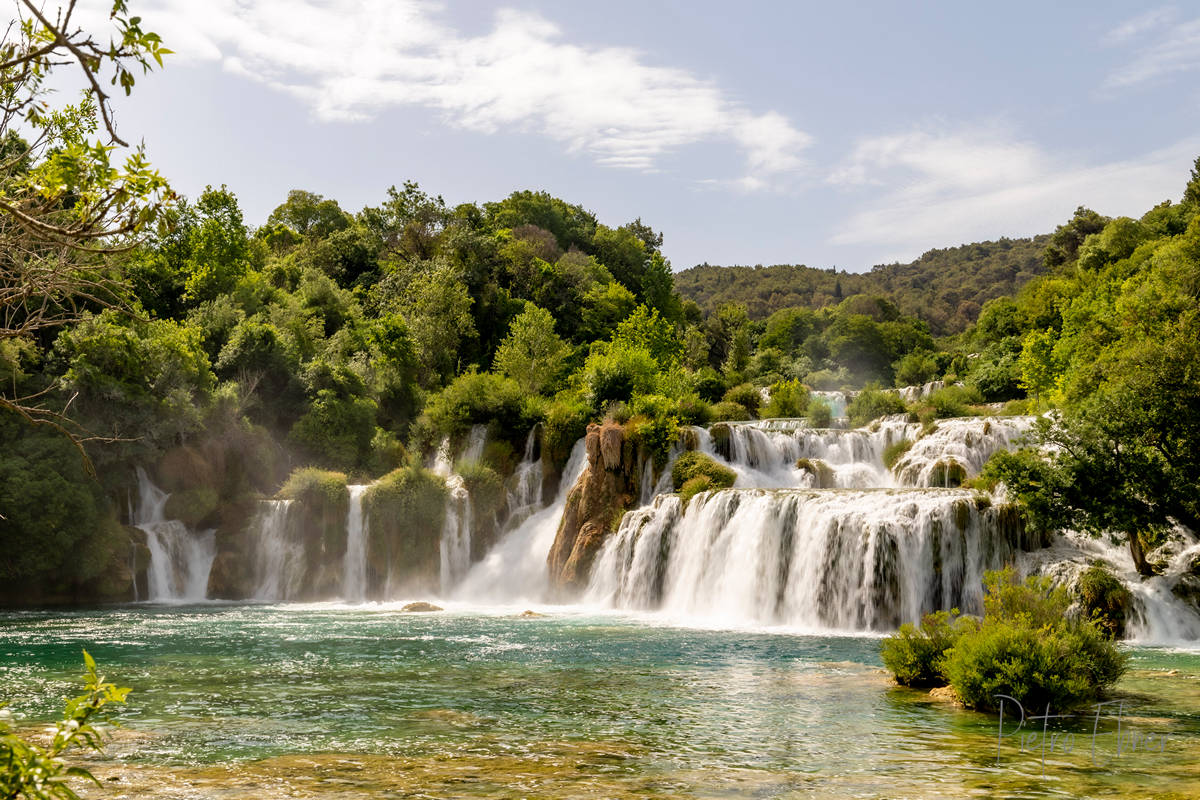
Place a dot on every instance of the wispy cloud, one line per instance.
(1161, 47)
(1131, 28)
(351, 60)
(965, 185)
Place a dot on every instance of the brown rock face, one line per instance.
(594, 508)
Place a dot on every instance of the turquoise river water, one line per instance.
(339, 701)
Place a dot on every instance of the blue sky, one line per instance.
(831, 134)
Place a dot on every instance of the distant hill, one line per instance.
(944, 287)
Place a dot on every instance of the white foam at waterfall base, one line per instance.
(818, 560)
(354, 566)
(515, 569)
(180, 559)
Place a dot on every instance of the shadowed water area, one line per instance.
(337, 701)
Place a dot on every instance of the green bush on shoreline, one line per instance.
(1026, 647)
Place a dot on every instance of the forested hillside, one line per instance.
(944, 287)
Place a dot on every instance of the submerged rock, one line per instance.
(420, 607)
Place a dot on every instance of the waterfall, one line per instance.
(456, 533)
(525, 487)
(515, 569)
(822, 560)
(279, 561)
(836, 401)
(1159, 617)
(354, 567)
(959, 446)
(180, 559)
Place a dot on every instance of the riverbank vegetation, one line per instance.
(1026, 647)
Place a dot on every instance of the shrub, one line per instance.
(475, 398)
(895, 451)
(745, 395)
(917, 657)
(729, 411)
(709, 384)
(1029, 649)
(1104, 599)
(819, 414)
(484, 484)
(618, 372)
(693, 410)
(316, 488)
(953, 401)
(336, 430)
(872, 403)
(655, 436)
(788, 399)
(694, 464)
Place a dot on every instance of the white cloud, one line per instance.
(961, 186)
(1167, 48)
(350, 60)
(1142, 23)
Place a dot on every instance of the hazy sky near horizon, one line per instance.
(830, 134)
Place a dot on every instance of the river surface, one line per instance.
(241, 701)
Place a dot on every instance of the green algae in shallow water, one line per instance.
(327, 702)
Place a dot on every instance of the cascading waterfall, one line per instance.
(958, 447)
(180, 559)
(837, 402)
(515, 569)
(849, 560)
(1159, 617)
(525, 486)
(456, 533)
(279, 556)
(354, 568)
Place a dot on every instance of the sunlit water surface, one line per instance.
(336, 701)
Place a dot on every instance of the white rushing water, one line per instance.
(515, 569)
(844, 560)
(279, 553)
(354, 567)
(180, 558)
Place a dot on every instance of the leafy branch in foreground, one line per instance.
(38, 772)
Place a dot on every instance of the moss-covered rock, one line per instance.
(694, 464)
(488, 500)
(822, 474)
(1104, 599)
(895, 451)
(948, 474)
(322, 501)
(405, 512)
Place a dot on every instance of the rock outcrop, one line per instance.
(594, 507)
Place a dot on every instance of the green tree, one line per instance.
(220, 246)
(532, 354)
(310, 215)
(1039, 372)
(71, 189)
